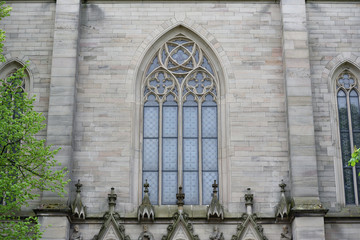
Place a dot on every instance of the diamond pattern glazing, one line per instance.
(349, 129)
(190, 154)
(209, 122)
(209, 154)
(151, 122)
(190, 124)
(191, 187)
(151, 156)
(170, 121)
(152, 178)
(169, 154)
(208, 180)
(169, 187)
(178, 79)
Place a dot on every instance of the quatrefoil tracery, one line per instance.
(346, 81)
(180, 64)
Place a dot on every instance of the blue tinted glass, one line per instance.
(206, 65)
(209, 154)
(169, 154)
(190, 154)
(355, 113)
(154, 64)
(209, 101)
(208, 180)
(343, 114)
(190, 115)
(152, 178)
(191, 187)
(151, 156)
(349, 185)
(170, 121)
(151, 101)
(209, 122)
(151, 122)
(169, 187)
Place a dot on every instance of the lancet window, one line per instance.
(349, 124)
(180, 123)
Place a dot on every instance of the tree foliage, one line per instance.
(26, 163)
(355, 157)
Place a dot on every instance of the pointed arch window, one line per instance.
(180, 117)
(349, 124)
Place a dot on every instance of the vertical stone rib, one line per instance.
(60, 127)
(307, 210)
(303, 170)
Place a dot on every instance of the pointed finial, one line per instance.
(215, 185)
(78, 185)
(180, 196)
(282, 185)
(112, 200)
(249, 197)
(146, 209)
(146, 186)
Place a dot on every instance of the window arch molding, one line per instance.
(11, 66)
(140, 85)
(340, 69)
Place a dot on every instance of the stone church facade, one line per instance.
(153, 101)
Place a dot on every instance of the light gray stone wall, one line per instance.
(334, 36)
(247, 39)
(348, 231)
(29, 37)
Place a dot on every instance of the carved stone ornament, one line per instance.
(146, 209)
(284, 206)
(146, 235)
(248, 228)
(181, 227)
(285, 234)
(216, 235)
(111, 229)
(76, 235)
(215, 209)
(77, 207)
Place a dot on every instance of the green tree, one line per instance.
(26, 163)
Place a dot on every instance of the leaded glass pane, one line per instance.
(180, 56)
(169, 154)
(151, 156)
(152, 178)
(206, 65)
(151, 122)
(345, 147)
(209, 154)
(169, 187)
(190, 115)
(349, 185)
(190, 154)
(356, 138)
(209, 122)
(355, 113)
(208, 180)
(170, 121)
(154, 64)
(191, 187)
(358, 179)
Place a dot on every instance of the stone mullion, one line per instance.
(160, 149)
(180, 141)
(200, 150)
(351, 143)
